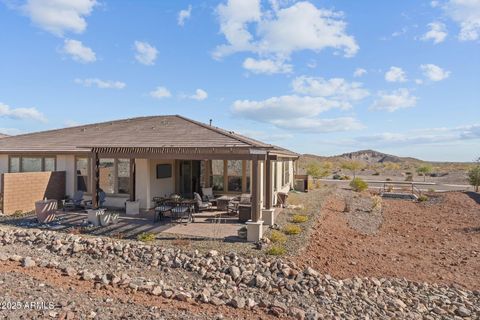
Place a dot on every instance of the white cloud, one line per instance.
(184, 15)
(397, 99)
(267, 66)
(78, 51)
(102, 84)
(160, 93)
(21, 113)
(145, 53)
(281, 31)
(437, 32)
(467, 14)
(10, 131)
(395, 74)
(59, 16)
(309, 125)
(335, 88)
(424, 136)
(359, 72)
(434, 73)
(286, 107)
(434, 4)
(199, 95)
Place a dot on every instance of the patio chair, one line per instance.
(88, 204)
(182, 211)
(161, 210)
(208, 194)
(201, 205)
(75, 202)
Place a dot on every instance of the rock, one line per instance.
(3, 257)
(28, 262)
(238, 302)
(156, 291)
(87, 276)
(212, 253)
(260, 281)
(462, 312)
(167, 293)
(297, 313)
(235, 272)
(216, 301)
(15, 258)
(69, 271)
(311, 272)
(182, 296)
(399, 303)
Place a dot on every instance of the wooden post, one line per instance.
(255, 191)
(268, 184)
(95, 181)
(132, 180)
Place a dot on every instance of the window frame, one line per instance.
(21, 156)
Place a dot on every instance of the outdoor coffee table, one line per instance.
(223, 201)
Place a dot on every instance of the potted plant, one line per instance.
(242, 232)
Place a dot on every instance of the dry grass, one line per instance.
(292, 229)
(299, 218)
(278, 237)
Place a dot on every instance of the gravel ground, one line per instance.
(436, 241)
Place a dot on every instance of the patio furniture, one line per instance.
(282, 199)
(88, 204)
(108, 218)
(234, 205)
(201, 205)
(183, 209)
(244, 212)
(160, 211)
(75, 202)
(208, 195)
(45, 210)
(223, 201)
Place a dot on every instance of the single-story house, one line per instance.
(141, 158)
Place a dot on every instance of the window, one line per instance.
(286, 172)
(82, 174)
(31, 164)
(107, 175)
(217, 175)
(49, 164)
(123, 174)
(14, 164)
(234, 178)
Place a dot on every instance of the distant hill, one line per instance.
(366, 156)
(3, 135)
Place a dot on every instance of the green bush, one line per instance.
(422, 198)
(278, 237)
(358, 185)
(146, 237)
(299, 218)
(276, 251)
(291, 229)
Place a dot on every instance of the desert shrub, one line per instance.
(336, 176)
(146, 236)
(358, 185)
(276, 250)
(431, 190)
(424, 170)
(388, 179)
(291, 229)
(278, 237)
(376, 174)
(345, 178)
(299, 218)
(474, 177)
(409, 178)
(422, 198)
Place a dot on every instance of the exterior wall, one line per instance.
(21, 190)
(142, 182)
(67, 163)
(161, 187)
(3, 166)
(278, 174)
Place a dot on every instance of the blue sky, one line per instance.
(322, 77)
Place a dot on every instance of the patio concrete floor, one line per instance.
(208, 224)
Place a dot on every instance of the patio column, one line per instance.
(268, 184)
(255, 191)
(131, 186)
(95, 181)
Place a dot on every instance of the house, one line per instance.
(141, 158)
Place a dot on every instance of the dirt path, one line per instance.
(77, 298)
(437, 241)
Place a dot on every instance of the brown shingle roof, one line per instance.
(154, 131)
